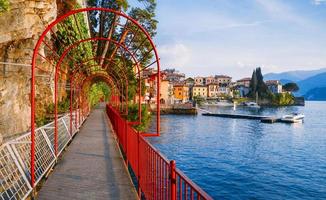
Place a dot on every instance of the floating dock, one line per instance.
(263, 119)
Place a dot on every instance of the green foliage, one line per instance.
(41, 120)
(71, 30)
(199, 100)
(291, 87)
(133, 116)
(63, 106)
(283, 99)
(4, 5)
(258, 86)
(97, 92)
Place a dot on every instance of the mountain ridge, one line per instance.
(317, 81)
(293, 76)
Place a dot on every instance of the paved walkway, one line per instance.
(91, 167)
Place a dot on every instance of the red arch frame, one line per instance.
(33, 70)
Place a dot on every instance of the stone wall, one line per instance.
(19, 31)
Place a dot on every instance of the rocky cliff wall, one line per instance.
(19, 31)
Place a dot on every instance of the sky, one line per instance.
(232, 37)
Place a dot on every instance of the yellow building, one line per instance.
(199, 90)
(212, 90)
(166, 92)
(181, 93)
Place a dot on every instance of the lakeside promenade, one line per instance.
(92, 166)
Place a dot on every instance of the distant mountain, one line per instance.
(293, 76)
(285, 81)
(317, 81)
(316, 94)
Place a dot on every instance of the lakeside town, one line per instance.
(177, 89)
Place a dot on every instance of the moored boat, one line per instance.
(252, 105)
(293, 118)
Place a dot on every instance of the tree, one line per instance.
(104, 24)
(199, 100)
(253, 84)
(291, 87)
(258, 86)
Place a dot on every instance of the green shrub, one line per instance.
(133, 116)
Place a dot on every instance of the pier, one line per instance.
(263, 119)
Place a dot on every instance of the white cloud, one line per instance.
(189, 23)
(279, 10)
(318, 2)
(173, 55)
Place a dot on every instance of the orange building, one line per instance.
(181, 92)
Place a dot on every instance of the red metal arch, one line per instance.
(58, 69)
(67, 50)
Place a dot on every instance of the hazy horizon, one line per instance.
(237, 78)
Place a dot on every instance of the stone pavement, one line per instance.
(91, 167)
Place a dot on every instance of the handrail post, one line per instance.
(71, 105)
(173, 180)
(126, 139)
(138, 163)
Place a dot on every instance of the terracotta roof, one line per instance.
(222, 76)
(244, 79)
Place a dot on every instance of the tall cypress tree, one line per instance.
(258, 86)
(253, 84)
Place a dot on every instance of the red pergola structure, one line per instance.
(110, 54)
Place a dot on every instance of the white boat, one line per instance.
(293, 118)
(224, 103)
(252, 104)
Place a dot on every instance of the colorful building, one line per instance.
(173, 75)
(199, 90)
(181, 93)
(212, 90)
(223, 80)
(274, 86)
(244, 82)
(199, 80)
(209, 80)
(166, 92)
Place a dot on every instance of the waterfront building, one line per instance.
(274, 86)
(244, 82)
(199, 80)
(199, 90)
(150, 82)
(243, 91)
(208, 80)
(174, 76)
(223, 80)
(180, 92)
(166, 92)
(223, 91)
(212, 90)
(190, 83)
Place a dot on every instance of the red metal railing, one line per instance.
(157, 177)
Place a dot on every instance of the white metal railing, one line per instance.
(15, 157)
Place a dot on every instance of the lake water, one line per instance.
(246, 159)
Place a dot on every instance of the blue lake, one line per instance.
(246, 159)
